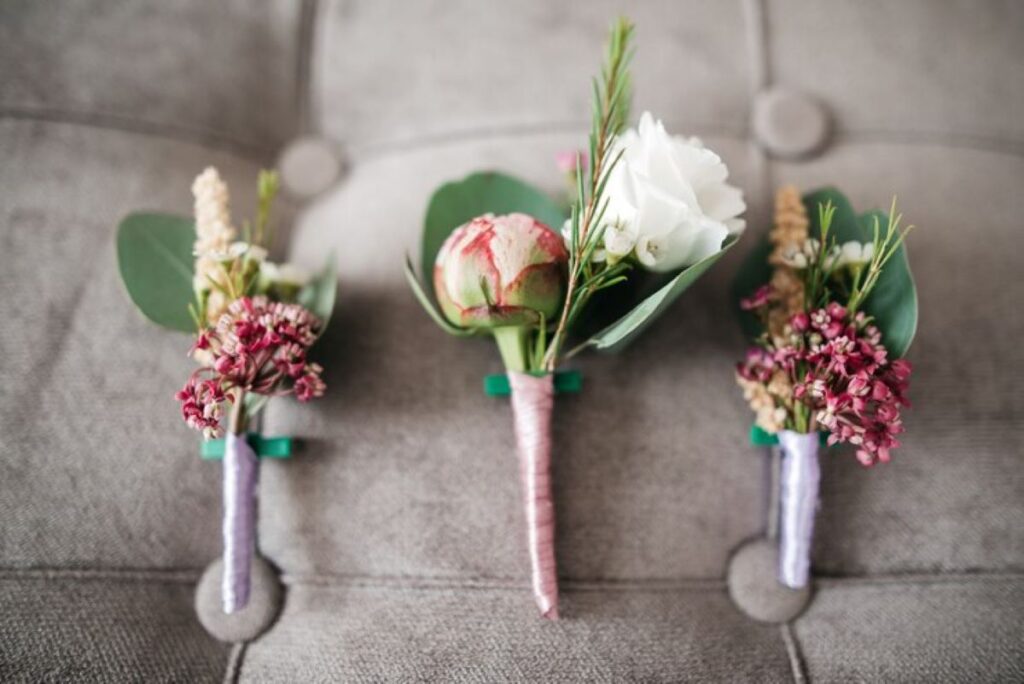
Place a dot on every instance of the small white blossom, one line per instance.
(284, 274)
(256, 253)
(853, 254)
(794, 258)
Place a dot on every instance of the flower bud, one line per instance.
(501, 271)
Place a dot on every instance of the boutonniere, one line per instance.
(830, 304)
(253, 323)
(651, 212)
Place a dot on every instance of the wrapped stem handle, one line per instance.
(239, 523)
(532, 403)
(798, 500)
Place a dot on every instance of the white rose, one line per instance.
(668, 200)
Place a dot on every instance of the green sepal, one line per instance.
(154, 257)
(565, 382)
(265, 447)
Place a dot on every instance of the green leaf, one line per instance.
(428, 305)
(893, 303)
(620, 333)
(154, 256)
(457, 202)
(319, 293)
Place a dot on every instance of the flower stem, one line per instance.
(238, 419)
(513, 343)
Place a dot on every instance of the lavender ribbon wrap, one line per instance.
(241, 470)
(798, 500)
(532, 403)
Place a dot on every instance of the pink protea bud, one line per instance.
(501, 271)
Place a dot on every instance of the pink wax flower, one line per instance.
(838, 368)
(256, 346)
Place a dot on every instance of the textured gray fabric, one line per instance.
(486, 67)
(100, 471)
(493, 634)
(953, 497)
(954, 629)
(63, 627)
(217, 71)
(914, 67)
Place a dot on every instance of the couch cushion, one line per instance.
(216, 71)
(924, 629)
(103, 627)
(389, 72)
(913, 68)
(486, 633)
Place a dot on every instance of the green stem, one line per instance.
(237, 421)
(513, 343)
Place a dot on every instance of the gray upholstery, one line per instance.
(103, 627)
(489, 633)
(397, 525)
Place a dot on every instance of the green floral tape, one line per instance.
(566, 382)
(761, 437)
(266, 447)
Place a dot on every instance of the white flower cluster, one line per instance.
(669, 204)
(850, 254)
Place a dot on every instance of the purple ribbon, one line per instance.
(239, 524)
(798, 499)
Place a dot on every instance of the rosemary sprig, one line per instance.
(885, 245)
(610, 113)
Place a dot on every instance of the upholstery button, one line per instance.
(248, 623)
(754, 588)
(790, 124)
(309, 166)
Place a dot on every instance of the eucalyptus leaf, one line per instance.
(154, 256)
(455, 203)
(893, 302)
(319, 293)
(623, 331)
